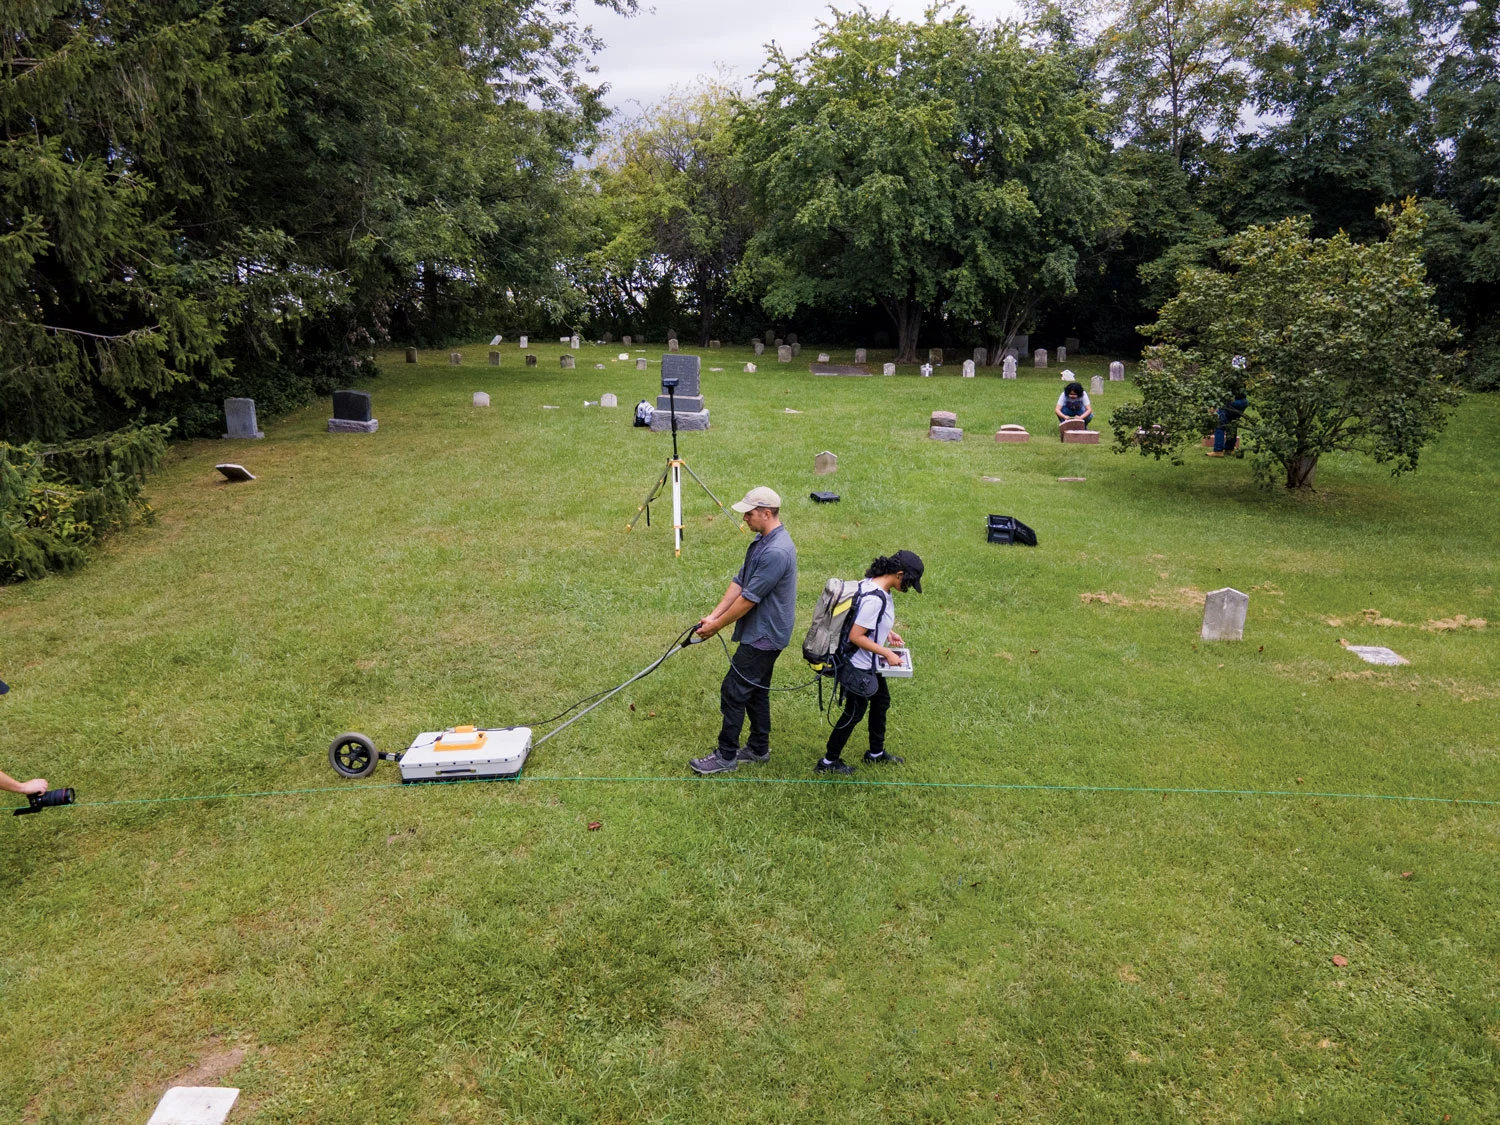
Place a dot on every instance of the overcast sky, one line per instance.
(672, 42)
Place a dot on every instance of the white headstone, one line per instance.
(861, 355)
(1008, 369)
(784, 353)
(1377, 654)
(750, 369)
(1096, 385)
(481, 399)
(823, 357)
(497, 341)
(1224, 615)
(565, 341)
(608, 400)
(233, 472)
(825, 463)
(598, 367)
(760, 348)
(573, 342)
(968, 369)
(1117, 372)
(1039, 359)
(888, 369)
(926, 370)
(623, 356)
(522, 345)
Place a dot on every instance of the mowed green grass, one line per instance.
(732, 949)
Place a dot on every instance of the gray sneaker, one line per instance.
(748, 755)
(712, 763)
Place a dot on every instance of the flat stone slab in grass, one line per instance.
(1071, 480)
(195, 1105)
(1080, 437)
(350, 426)
(1377, 654)
(235, 472)
(821, 368)
(992, 480)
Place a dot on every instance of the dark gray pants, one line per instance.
(854, 710)
(740, 693)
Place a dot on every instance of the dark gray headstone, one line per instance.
(351, 406)
(685, 403)
(685, 369)
(531, 361)
(791, 338)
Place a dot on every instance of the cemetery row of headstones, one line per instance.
(942, 425)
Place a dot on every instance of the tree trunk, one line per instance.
(908, 317)
(1300, 471)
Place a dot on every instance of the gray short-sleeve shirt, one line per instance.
(769, 579)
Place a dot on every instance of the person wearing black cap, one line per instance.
(869, 636)
(37, 785)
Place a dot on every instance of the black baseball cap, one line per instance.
(911, 563)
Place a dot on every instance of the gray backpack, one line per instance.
(827, 641)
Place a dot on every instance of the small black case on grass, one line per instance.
(824, 497)
(1008, 529)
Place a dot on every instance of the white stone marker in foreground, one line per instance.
(1224, 615)
(195, 1105)
(1377, 654)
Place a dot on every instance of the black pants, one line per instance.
(739, 693)
(854, 710)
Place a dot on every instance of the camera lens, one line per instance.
(54, 797)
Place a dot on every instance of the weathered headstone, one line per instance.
(530, 360)
(750, 368)
(796, 348)
(791, 338)
(784, 354)
(824, 357)
(825, 463)
(1224, 615)
(351, 413)
(685, 369)
(1039, 359)
(494, 359)
(1062, 355)
(609, 337)
(1008, 368)
(760, 349)
(1012, 434)
(455, 358)
(1066, 376)
(497, 341)
(1071, 343)
(574, 343)
(625, 340)
(945, 433)
(607, 400)
(522, 344)
(770, 337)
(1117, 372)
(623, 357)
(672, 345)
(1096, 385)
(671, 333)
(1080, 437)
(981, 356)
(692, 420)
(565, 341)
(481, 398)
(233, 472)
(888, 369)
(239, 419)
(641, 364)
(1068, 425)
(935, 356)
(568, 362)
(411, 355)
(943, 418)
(861, 355)
(715, 344)
(968, 369)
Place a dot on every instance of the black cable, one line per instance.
(676, 644)
(752, 683)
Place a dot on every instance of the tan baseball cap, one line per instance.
(757, 498)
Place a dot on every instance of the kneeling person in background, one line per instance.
(1074, 403)
(869, 636)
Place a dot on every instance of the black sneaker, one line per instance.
(883, 759)
(748, 755)
(713, 763)
(833, 765)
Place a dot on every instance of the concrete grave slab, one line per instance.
(694, 420)
(235, 472)
(1377, 654)
(195, 1105)
(825, 368)
(1080, 437)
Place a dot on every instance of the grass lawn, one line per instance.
(760, 947)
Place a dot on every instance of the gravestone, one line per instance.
(623, 357)
(239, 419)
(565, 341)
(760, 349)
(1012, 435)
(685, 369)
(1008, 370)
(1066, 376)
(497, 341)
(195, 1105)
(411, 355)
(1062, 355)
(494, 359)
(567, 362)
(825, 463)
(351, 413)
(714, 344)
(784, 354)
(640, 364)
(671, 333)
(672, 345)
(625, 340)
(608, 400)
(1071, 343)
(1224, 615)
(750, 369)
(943, 418)
(233, 472)
(609, 337)
(926, 370)
(1377, 654)
(1117, 372)
(1039, 359)
(968, 369)
(455, 358)
(1096, 385)
(791, 338)
(823, 357)
(770, 337)
(779, 342)
(1080, 437)
(888, 369)
(945, 433)
(530, 360)
(692, 420)
(481, 399)
(935, 356)
(522, 344)
(1022, 344)
(574, 343)
(861, 355)
(796, 348)
(1067, 425)
(598, 367)
(981, 356)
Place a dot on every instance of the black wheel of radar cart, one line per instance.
(353, 755)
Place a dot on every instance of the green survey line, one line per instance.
(993, 786)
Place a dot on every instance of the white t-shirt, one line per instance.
(876, 613)
(1062, 400)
